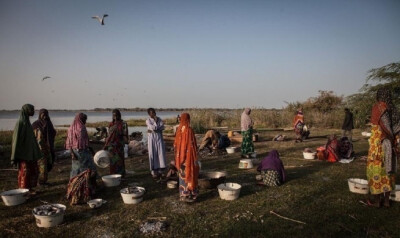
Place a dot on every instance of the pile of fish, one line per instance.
(150, 227)
(130, 190)
(47, 210)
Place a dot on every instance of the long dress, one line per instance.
(25, 150)
(43, 163)
(186, 158)
(156, 145)
(45, 135)
(331, 150)
(298, 124)
(380, 172)
(246, 124)
(115, 144)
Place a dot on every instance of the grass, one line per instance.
(316, 193)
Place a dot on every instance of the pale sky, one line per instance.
(208, 53)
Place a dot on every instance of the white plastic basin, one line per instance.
(111, 180)
(14, 197)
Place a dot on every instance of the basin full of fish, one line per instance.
(134, 189)
(48, 210)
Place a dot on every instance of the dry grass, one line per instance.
(316, 193)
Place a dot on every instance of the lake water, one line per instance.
(9, 118)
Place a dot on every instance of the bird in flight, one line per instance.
(100, 19)
(45, 77)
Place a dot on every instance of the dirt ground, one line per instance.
(316, 193)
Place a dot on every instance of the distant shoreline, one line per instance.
(140, 109)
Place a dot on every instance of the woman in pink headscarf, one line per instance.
(78, 145)
(83, 174)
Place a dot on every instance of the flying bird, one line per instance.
(100, 19)
(45, 77)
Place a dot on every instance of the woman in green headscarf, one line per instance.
(25, 149)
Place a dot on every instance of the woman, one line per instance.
(272, 171)
(210, 140)
(45, 134)
(25, 150)
(186, 160)
(345, 149)
(332, 149)
(247, 133)
(78, 144)
(155, 143)
(83, 174)
(381, 163)
(298, 124)
(115, 142)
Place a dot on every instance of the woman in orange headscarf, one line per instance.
(298, 124)
(382, 154)
(186, 159)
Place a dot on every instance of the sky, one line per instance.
(178, 54)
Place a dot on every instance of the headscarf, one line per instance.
(383, 105)
(186, 151)
(24, 144)
(273, 162)
(118, 113)
(245, 121)
(78, 137)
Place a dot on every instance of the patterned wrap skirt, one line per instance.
(183, 187)
(271, 178)
(378, 180)
(247, 142)
(28, 174)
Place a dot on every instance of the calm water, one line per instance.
(8, 119)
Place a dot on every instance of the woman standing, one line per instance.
(186, 160)
(45, 134)
(247, 133)
(115, 142)
(298, 124)
(155, 142)
(78, 145)
(82, 183)
(25, 150)
(381, 163)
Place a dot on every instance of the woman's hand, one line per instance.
(73, 156)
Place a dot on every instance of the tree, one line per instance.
(387, 76)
